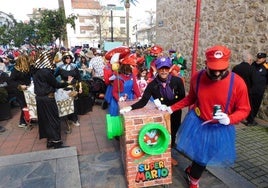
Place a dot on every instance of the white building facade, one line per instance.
(93, 24)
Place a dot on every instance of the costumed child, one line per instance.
(125, 85)
(142, 79)
(111, 68)
(135, 69)
(112, 62)
(155, 52)
(110, 73)
(178, 60)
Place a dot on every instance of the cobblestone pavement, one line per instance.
(252, 152)
(98, 160)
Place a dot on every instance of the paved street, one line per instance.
(93, 161)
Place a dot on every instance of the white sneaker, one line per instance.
(22, 125)
(76, 123)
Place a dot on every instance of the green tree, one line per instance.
(127, 6)
(4, 39)
(52, 25)
(20, 33)
(23, 32)
(47, 28)
(5, 35)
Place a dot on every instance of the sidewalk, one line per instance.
(93, 161)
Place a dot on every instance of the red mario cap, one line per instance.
(129, 60)
(156, 50)
(218, 57)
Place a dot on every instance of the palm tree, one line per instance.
(61, 5)
(127, 6)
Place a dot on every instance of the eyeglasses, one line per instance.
(216, 71)
(68, 58)
(162, 69)
(216, 74)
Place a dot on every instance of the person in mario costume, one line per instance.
(166, 89)
(156, 51)
(125, 85)
(207, 134)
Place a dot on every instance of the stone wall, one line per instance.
(238, 24)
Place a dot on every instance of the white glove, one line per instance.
(122, 99)
(169, 110)
(157, 103)
(162, 107)
(222, 118)
(125, 109)
(113, 77)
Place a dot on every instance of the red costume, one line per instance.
(206, 92)
(107, 73)
(118, 86)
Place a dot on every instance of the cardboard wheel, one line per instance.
(114, 126)
(154, 139)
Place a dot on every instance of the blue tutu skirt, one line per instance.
(208, 145)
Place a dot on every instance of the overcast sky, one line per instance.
(20, 8)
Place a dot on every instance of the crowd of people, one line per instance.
(150, 74)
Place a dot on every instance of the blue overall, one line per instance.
(127, 91)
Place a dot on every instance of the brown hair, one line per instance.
(142, 69)
(23, 63)
(125, 69)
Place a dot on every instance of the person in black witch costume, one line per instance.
(45, 85)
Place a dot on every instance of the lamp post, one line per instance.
(127, 6)
(111, 6)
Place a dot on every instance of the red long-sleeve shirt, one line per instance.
(118, 86)
(216, 92)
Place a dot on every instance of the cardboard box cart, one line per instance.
(144, 144)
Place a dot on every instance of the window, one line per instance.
(81, 19)
(84, 29)
(122, 20)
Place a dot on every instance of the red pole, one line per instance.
(196, 34)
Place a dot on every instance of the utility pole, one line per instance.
(127, 6)
(111, 6)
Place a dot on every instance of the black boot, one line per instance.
(50, 144)
(59, 145)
